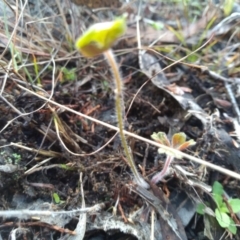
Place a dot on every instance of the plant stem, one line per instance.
(119, 106)
(159, 176)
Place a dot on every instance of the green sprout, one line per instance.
(17, 157)
(57, 199)
(98, 39)
(178, 142)
(13, 158)
(68, 74)
(224, 208)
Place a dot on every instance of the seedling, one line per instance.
(100, 37)
(68, 74)
(16, 157)
(97, 40)
(225, 210)
(178, 142)
(13, 158)
(57, 199)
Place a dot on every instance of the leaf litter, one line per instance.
(186, 80)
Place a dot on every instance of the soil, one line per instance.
(49, 153)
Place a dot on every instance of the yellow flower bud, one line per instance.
(100, 37)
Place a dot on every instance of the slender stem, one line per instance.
(119, 106)
(159, 176)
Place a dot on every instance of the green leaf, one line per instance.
(223, 219)
(170, 152)
(235, 204)
(217, 188)
(218, 199)
(157, 25)
(228, 7)
(100, 37)
(66, 167)
(178, 34)
(161, 138)
(200, 208)
(223, 208)
(56, 198)
(69, 74)
(232, 227)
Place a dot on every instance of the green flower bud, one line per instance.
(100, 37)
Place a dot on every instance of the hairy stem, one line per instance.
(159, 176)
(119, 106)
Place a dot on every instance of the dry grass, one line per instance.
(45, 86)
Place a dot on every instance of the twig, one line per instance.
(41, 224)
(26, 214)
(228, 88)
(233, 100)
(179, 153)
(81, 226)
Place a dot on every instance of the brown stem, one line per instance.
(119, 106)
(159, 176)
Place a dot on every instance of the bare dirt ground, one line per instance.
(63, 172)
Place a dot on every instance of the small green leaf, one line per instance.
(223, 208)
(161, 138)
(178, 34)
(218, 199)
(232, 227)
(69, 74)
(170, 152)
(223, 219)
(217, 188)
(228, 7)
(157, 25)
(178, 142)
(66, 167)
(56, 198)
(100, 37)
(235, 204)
(200, 208)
